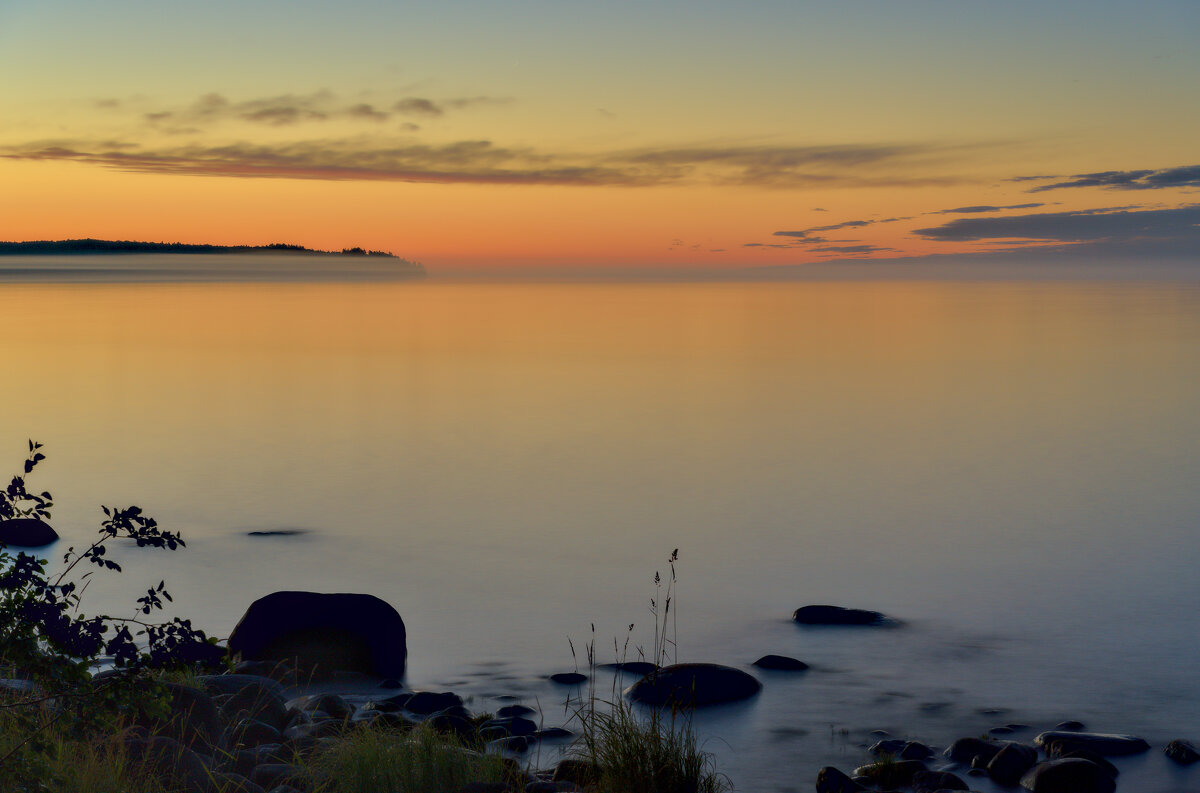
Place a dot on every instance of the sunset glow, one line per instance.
(488, 137)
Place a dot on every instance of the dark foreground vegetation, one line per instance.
(108, 704)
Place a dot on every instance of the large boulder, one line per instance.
(1057, 742)
(26, 533)
(324, 633)
(836, 615)
(692, 685)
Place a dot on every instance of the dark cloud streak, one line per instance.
(1121, 225)
(1183, 176)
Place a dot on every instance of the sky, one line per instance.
(480, 136)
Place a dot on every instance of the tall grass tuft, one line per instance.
(419, 761)
(654, 752)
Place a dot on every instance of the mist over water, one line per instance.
(1007, 467)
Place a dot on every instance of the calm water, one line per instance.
(1010, 468)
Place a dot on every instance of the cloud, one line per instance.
(461, 162)
(849, 224)
(1118, 225)
(416, 106)
(1183, 176)
(852, 249)
(983, 208)
(367, 112)
(378, 157)
(291, 109)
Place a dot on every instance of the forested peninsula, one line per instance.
(91, 246)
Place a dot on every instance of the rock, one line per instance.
(324, 632)
(831, 780)
(515, 710)
(1072, 775)
(933, 781)
(1069, 726)
(257, 702)
(965, 750)
(901, 750)
(26, 533)
(553, 734)
(426, 703)
(193, 718)
(334, 705)
(389, 705)
(581, 772)
(569, 678)
(390, 682)
(632, 667)
(693, 685)
(251, 732)
(1092, 757)
(1103, 744)
(509, 725)
(836, 615)
(454, 724)
(781, 663)
(891, 774)
(1011, 762)
(512, 743)
(1182, 752)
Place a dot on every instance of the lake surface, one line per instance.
(1010, 468)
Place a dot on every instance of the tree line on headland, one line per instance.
(92, 246)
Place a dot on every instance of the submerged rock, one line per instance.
(569, 678)
(932, 781)
(781, 663)
(893, 774)
(693, 685)
(831, 780)
(632, 667)
(901, 750)
(426, 703)
(1182, 752)
(26, 533)
(836, 615)
(1057, 742)
(324, 632)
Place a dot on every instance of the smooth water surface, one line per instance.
(1009, 468)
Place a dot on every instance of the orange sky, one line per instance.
(547, 136)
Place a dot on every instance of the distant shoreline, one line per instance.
(84, 247)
